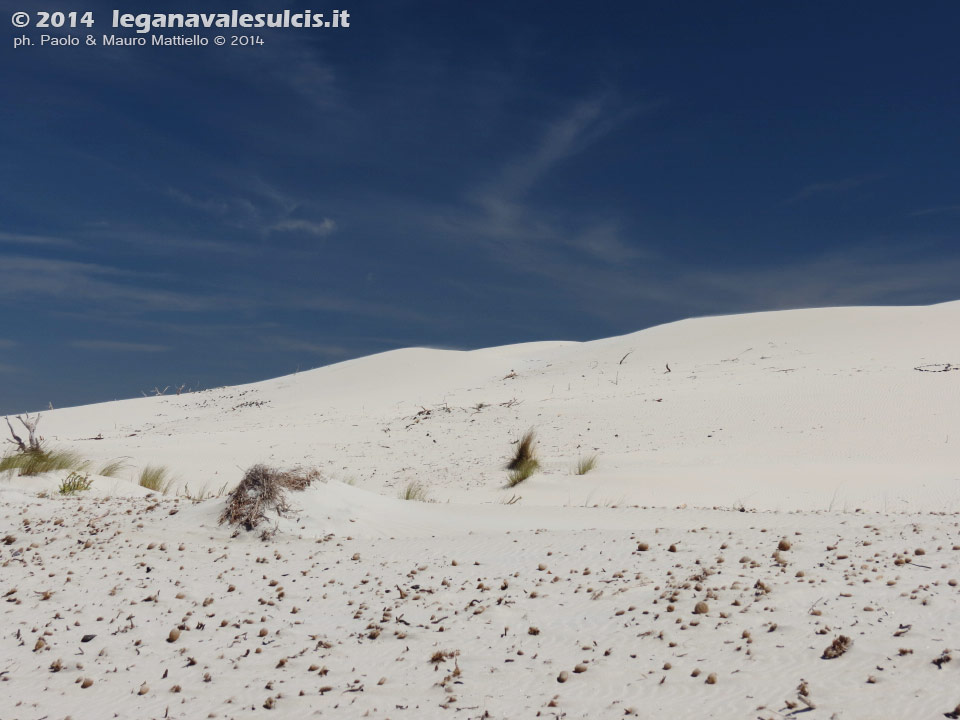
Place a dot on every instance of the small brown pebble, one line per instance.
(643, 547)
(563, 676)
(695, 673)
(580, 668)
(87, 682)
(701, 608)
(784, 544)
(173, 636)
(672, 548)
(144, 689)
(711, 679)
(533, 630)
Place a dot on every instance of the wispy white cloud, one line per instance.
(116, 346)
(500, 213)
(29, 277)
(938, 210)
(20, 239)
(258, 206)
(318, 229)
(832, 187)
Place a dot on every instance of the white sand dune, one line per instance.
(803, 409)
(717, 438)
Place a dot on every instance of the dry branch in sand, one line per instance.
(263, 489)
(33, 442)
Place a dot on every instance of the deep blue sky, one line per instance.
(462, 174)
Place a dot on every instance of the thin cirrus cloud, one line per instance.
(258, 206)
(317, 229)
(498, 214)
(36, 240)
(24, 277)
(117, 346)
(831, 187)
(938, 210)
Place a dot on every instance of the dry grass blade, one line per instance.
(263, 489)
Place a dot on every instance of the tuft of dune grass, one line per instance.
(524, 462)
(156, 478)
(112, 468)
(522, 472)
(37, 462)
(586, 464)
(415, 491)
(526, 451)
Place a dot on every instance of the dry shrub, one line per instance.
(263, 489)
(838, 647)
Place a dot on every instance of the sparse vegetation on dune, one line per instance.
(524, 462)
(204, 493)
(39, 461)
(156, 478)
(586, 464)
(415, 491)
(263, 489)
(112, 468)
(32, 458)
(526, 451)
(522, 472)
(75, 482)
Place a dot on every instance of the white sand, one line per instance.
(815, 423)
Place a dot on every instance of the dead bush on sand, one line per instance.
(263, 489)
(837, 648)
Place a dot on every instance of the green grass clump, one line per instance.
(415, 491)
(156, 478)
(112, 468)
(526, 451)
(37, 462)
(74, 483)
(524, 462)
(586, 464)
(522, 472)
